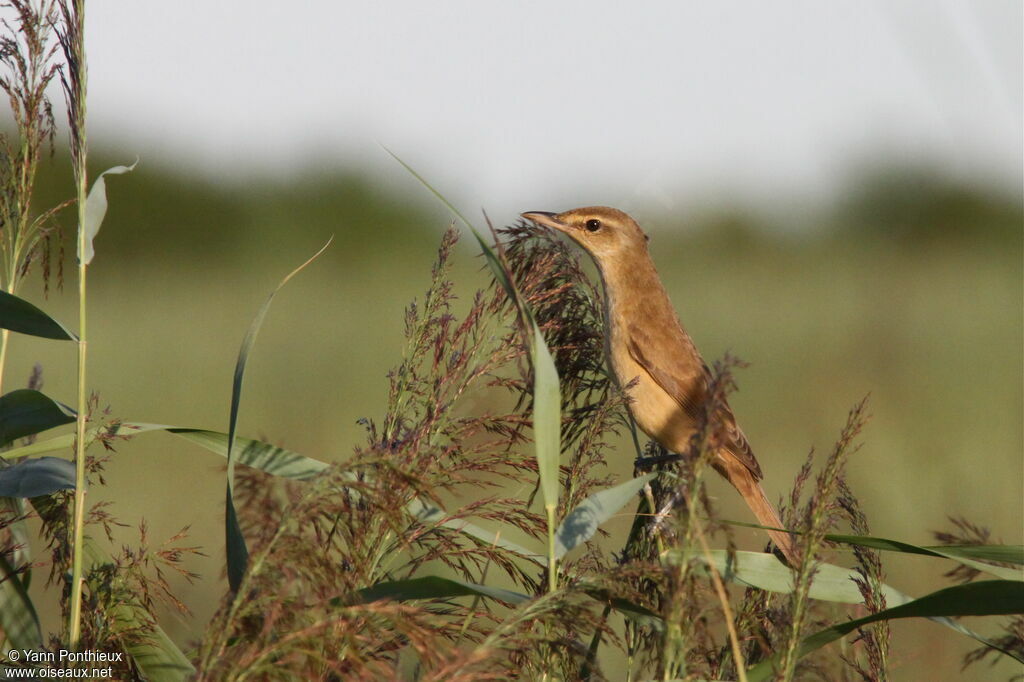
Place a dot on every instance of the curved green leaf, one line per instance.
(432, 514)
(1009, 554)
(547, 417)
(36, 477)
(964, 554)
(766, 572)
(67, 440)
(433, 587)
(987, 598)
(96, 210)
(20, 316)
(40, 446)
(583, 521)
(254, 453)
(634, 612)
(237, 552)
(831, 583)
(26, 412)
(973, 556)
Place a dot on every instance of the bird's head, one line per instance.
(604, 232)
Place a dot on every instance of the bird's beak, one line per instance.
(545, 219)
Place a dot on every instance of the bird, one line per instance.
(654, 359)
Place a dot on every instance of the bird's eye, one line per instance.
(593, 225)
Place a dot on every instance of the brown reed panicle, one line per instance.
(769, 621)
(53, 509)
(314, 545)
(1011, 640)
(122, 591)
(690, 643)
(874, 638)
(298, 613)
(762, 615)
(317, 543)
(27, 66)
(965, 532)
(816, 518)
(427, 434)
(542, 637)
(261, 499)
(567, 306)
(74, 78)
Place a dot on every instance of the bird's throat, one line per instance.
(634, 291)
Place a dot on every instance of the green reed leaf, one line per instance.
(764, 571)
(36, 477)
(237, 552)
(1009, 554)
(583, 521)
(254, 453)
(831, 583)
(434, 587)
(547, 418)
(20, 316)
(26, 412)
(257, 454)
(53, 444)
(429, 514)
(987, 598)
(967, 555)
(634, 612)
(972, 556)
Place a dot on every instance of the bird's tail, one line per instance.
(753, 494)
(767, 516)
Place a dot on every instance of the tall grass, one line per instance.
(27, 57)
(74, 78)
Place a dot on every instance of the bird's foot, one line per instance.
(646, 463)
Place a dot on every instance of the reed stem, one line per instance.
(77, 104)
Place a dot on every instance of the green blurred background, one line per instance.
(907, 287)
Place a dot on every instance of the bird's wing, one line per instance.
(736, 442)
(687, 383)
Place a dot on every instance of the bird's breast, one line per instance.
(655, 411)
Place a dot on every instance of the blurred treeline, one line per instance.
(167, 213)
(907, 286)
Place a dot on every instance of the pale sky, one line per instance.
(543, 105)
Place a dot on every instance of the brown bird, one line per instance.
(646, 343)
